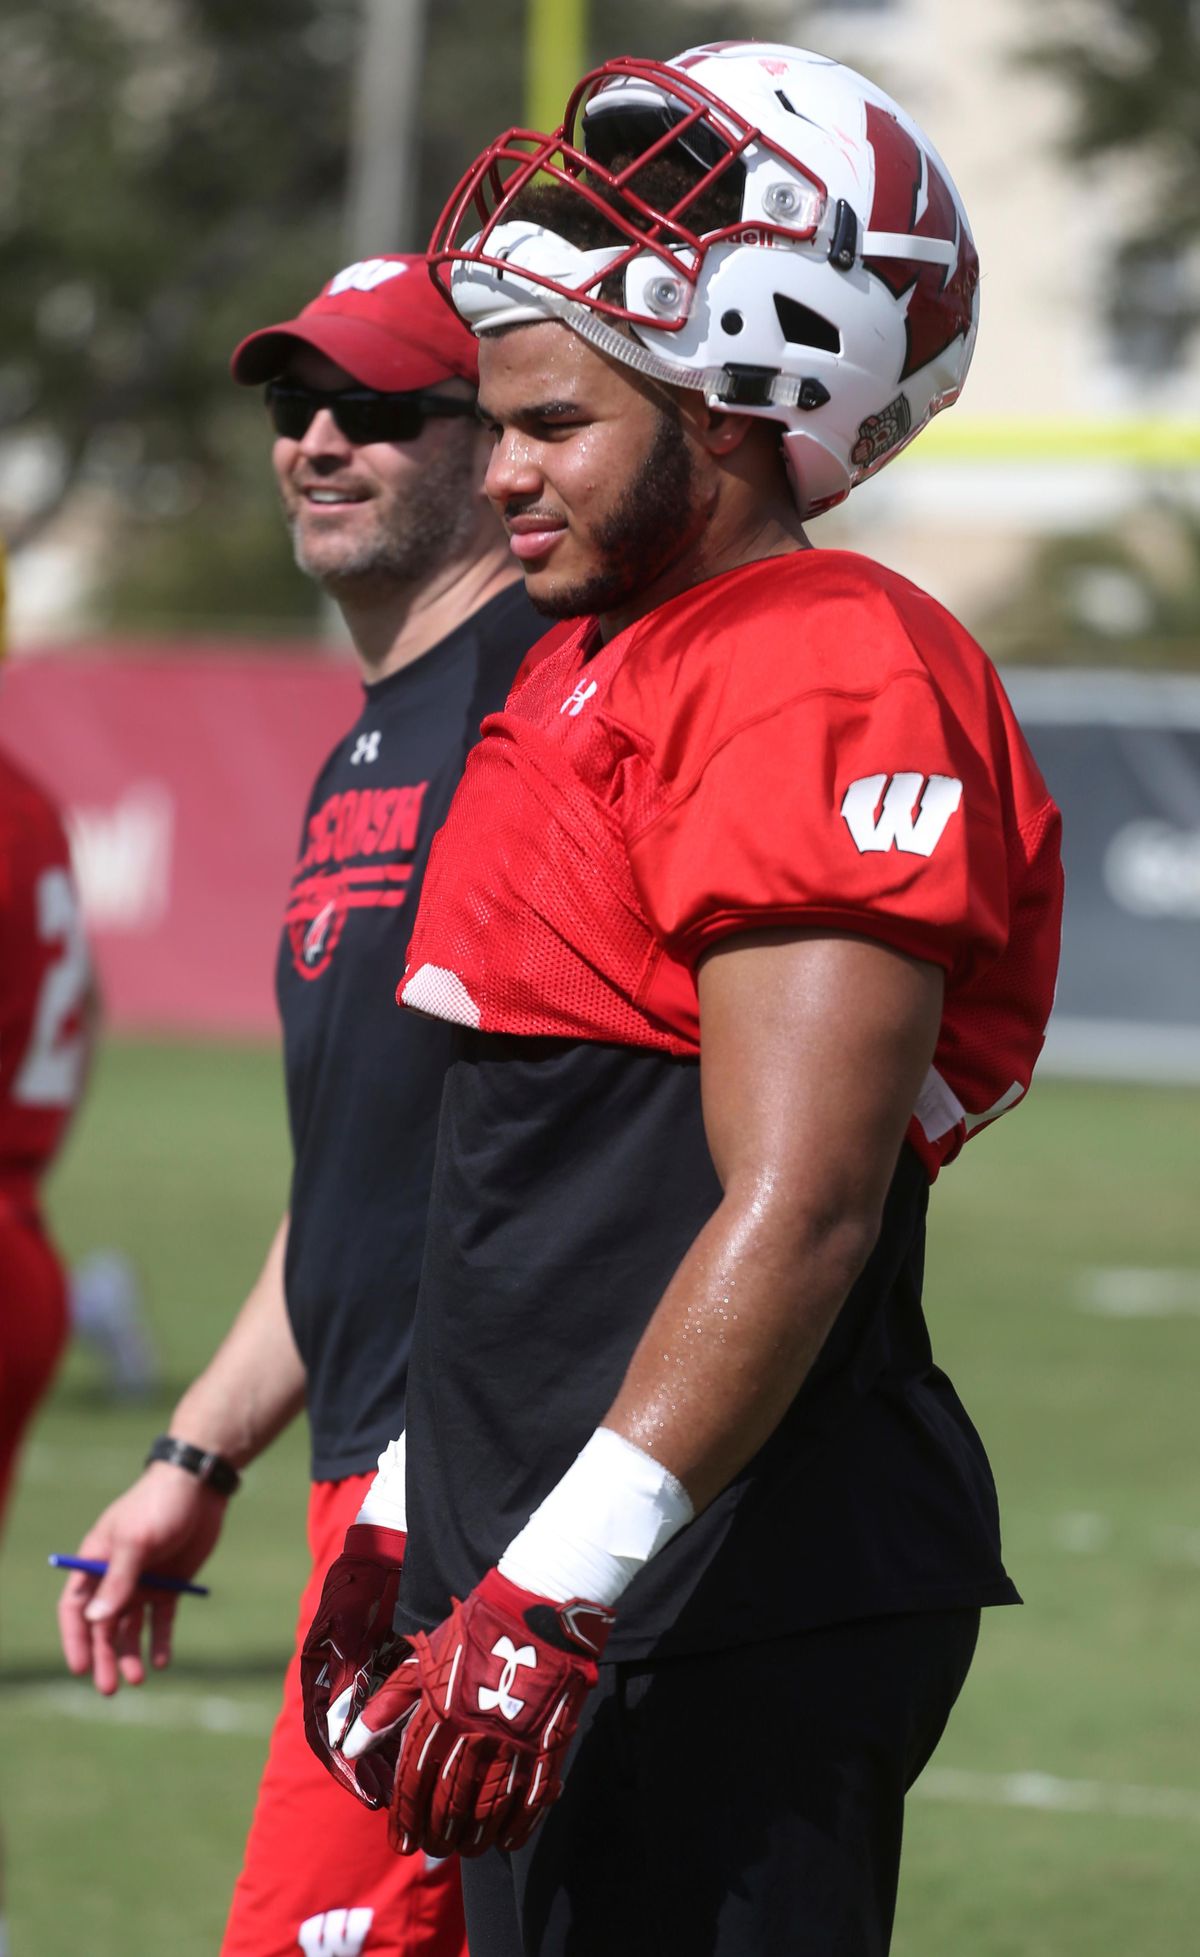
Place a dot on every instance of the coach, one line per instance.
(379, 463)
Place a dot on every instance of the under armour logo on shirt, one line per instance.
(912, 816)
(579, 699)
(501, 1698)
(366, 748)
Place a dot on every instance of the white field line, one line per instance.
(47, 1464)
(1047, 1793)
(44, 1463)
(1082, 1533)
(1113, 1292)
(141, 1705)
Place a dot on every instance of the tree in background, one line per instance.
(1115, 597)
(1131, 69)
(171, 171)
(172, 174)
(1132, 72)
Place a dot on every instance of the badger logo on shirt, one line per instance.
(317, 935)
(315, 924)
(359, 851)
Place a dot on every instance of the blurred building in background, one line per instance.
(1073, 425)
(1056, 510)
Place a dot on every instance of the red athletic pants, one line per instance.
(33, 1324)
(319, 1876)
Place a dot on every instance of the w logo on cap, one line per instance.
(365, 275)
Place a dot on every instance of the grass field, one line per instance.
(1061, 1817)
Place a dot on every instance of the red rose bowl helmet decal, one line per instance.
(881, 434)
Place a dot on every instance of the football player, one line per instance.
(47, 1020)
(746, 914)
(379, 461)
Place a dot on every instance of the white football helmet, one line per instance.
(842, 298)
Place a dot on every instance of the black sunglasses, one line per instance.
(362, 414)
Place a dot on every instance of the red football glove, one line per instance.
(350, 1648)
(486, 1709)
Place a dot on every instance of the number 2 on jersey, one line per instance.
(51, 1072)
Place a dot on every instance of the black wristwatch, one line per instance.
(213, 1469)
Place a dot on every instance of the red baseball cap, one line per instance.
(382, 319)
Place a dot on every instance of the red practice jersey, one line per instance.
(806, 742)
(45, 980)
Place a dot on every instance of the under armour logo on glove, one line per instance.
(479, 1764)
(502, 1698)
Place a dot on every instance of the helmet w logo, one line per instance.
(941, 307)
(335, 1933)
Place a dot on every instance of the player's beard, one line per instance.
(407, 539)
(648, 527)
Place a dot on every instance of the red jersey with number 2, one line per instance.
(805, 742)
(45, 979)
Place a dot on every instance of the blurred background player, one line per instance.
(747, 913)
(379, 462)
(47, 1020)
(104, 1295)
(104, 1298)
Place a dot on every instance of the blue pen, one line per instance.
(94, 1566)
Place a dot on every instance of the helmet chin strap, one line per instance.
(806, 456)
(721, 386)
(631, 353)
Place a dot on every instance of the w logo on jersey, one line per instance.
(335, 1933)
(912, 815)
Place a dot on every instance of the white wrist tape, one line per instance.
(613, 1510)
(385, 1504)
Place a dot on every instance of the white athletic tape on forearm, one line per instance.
(384, 1503)
(613, 1510)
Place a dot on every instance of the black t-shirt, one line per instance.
(570, 1178)
(364, 1079)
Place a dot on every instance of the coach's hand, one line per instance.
(486, 1709)
(169, 1522)
(350, 1648)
